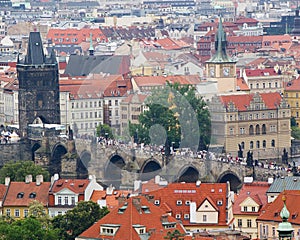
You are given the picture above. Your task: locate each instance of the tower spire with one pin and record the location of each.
(285, 228)
(91, 49)
(220, 46)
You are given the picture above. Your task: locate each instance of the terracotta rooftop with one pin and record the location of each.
(261, 72)
(293, 85)
(135, 212)
(74, 185)
(256, 191)
(272, 211)
(21, 193)
(242, 101)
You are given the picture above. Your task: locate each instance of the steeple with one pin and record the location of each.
(35, 53)
(220, 46)
(91, 49)
(285, 228)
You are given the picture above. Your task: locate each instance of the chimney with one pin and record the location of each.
(7, 181)
(164, 218)
(157, 179)
(39, 180)
(136, 201)
(121, 200)
(109, 190)
(28, 179)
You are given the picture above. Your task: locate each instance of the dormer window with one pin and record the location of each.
(20, 195)
(219, 202)
(187, 203)
(253, 209)
(179, 202)
(178, 216)
(32, 195)
(186, 216)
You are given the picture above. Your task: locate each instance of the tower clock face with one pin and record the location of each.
(226, 71)
(212, 71)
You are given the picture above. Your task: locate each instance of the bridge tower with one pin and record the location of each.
(38, 86)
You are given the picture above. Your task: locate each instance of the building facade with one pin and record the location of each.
(259, 123)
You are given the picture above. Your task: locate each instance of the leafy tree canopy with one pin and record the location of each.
(18, 170)
(104, 130)
(176, 116)
(29, 228)
(77, 220)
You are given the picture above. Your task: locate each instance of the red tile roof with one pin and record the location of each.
(133, 215)
(111, 199)
(74, 185)
(242, 85)
(256, 191)
(293, 85)
(75, 36)
(272, 211)
(242, 101)
(261, 72)
(213, 192)
(24, 190)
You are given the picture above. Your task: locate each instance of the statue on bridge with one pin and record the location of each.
(240, 152)
(249, 159)
(70, 134)
(285, 156)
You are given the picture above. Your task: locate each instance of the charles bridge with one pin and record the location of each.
(121, 165)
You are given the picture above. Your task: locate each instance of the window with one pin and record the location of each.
(231, 131)
(251, 144)
(179, 202)
(243, 145)
(270, 85)
(17, 213)
(220, 203)
(249, 223)
(186, 216)
(25, 212)
(253, 209)
(257, 129)
(8, 212)
(245, 209)
(178, 216)
(156, 202)
(273, 143)
(240, 222)
(272, 128)
(257, 85)
(204, 218)
(59, 200)
(251, 131)
(263, 129)
(273, 231)
(187, 203)
(73, 200)
(66, 200)
(264, 144)
(257, 144)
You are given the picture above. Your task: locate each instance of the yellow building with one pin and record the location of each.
(257, 122)
(291, 94)
(248, 206)
(19, 195)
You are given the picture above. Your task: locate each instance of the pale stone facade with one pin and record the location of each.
(257, 122)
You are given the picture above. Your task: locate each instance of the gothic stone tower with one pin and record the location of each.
(38, 86)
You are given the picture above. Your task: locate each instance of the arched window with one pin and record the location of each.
(243, 145)
(257, 130)
(257, 144)
(264, 144)
(251, 130)
(273, 143)
(251, 144)
(257, 85)
(263, 129)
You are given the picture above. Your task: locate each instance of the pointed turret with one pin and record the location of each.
(220, 46)
(35, 53)
(285, 228)
(91, 49)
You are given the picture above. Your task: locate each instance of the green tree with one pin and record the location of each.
(175, 116)
(18, 170)
(104, 130)
(175, 235)
(77, 220)
(29, 228)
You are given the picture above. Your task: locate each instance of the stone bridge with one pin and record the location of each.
(121, 166)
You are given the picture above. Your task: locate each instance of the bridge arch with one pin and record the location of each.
(55, 162)
(231, 177)
(150, 169)
(113, 170)
(83, 164)
(188, 174)
(35, 147)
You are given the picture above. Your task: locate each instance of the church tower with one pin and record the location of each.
(220, 67)
(38, 86)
